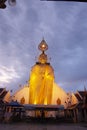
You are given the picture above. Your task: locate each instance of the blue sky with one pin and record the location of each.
(63, 26)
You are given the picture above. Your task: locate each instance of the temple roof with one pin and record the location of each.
(1, 89)
(3, 93)
(78, 97)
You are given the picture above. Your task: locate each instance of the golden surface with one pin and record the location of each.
(41, 84)
(43, 46)
(41, 79)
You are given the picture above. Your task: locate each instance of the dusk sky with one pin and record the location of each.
(63, 26)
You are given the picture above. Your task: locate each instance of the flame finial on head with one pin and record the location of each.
(43, 46)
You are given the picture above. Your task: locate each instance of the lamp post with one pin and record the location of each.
(10, 2)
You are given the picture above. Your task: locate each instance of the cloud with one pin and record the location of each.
(7, 74)
(64, 27)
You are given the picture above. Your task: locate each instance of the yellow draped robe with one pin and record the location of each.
(41, 84)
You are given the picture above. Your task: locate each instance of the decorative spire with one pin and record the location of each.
(43, 45)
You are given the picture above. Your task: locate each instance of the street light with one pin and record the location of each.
(10, 2)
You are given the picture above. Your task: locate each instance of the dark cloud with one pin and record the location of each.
(64, 27)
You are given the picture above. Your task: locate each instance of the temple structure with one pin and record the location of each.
(42, 97)
(4, 95)
(41, 87)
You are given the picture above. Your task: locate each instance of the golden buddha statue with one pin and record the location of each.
(41, 79)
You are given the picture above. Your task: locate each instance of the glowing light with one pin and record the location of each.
(43, 45)
(45, 101)
(35, 102)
